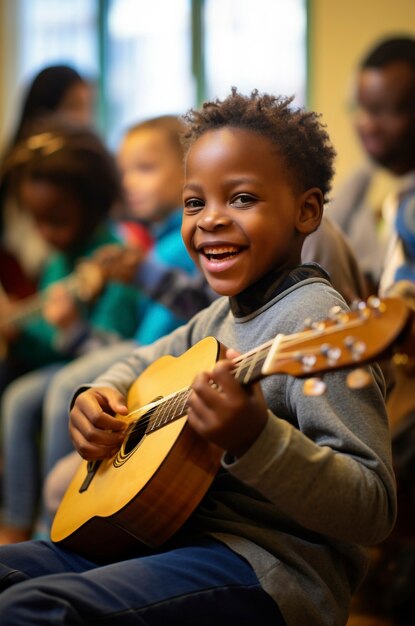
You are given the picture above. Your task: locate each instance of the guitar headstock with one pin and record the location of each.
(344, 339)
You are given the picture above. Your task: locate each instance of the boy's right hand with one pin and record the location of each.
(95, 432)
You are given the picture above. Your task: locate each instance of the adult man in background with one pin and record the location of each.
(365, 207)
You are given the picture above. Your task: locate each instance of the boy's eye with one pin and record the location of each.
(193, 204)
(145, 167)
(243, 200)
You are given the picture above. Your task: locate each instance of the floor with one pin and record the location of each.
(370, 620)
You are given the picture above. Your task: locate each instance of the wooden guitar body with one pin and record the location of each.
(146, 492)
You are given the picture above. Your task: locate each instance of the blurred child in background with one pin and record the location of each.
(55, 90)
(68, 183)
(151, 166)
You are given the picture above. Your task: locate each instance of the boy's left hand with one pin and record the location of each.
(224, 412)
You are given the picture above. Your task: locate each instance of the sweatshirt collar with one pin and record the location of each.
(271, 285)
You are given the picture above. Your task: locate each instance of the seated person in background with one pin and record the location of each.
(305, 483)
(14, 283)
(365, 206)
(55, 90)
(389, 588)
(68, 184)
(398, 279)
(151, 166)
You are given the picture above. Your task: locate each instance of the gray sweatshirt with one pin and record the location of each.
(317, 486)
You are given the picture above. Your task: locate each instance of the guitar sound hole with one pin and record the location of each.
(137, 431)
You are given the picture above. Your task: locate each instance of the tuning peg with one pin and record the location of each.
(355, 346)
(308, 322)
(358, 379)
(358, 305)
(332, 353)
(314, 387)
(374, 302)
(308, 361)
(334, 313)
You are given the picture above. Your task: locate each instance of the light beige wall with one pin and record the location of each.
(9, 50)
(341, 32)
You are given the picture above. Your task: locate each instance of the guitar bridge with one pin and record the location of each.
(92, 467)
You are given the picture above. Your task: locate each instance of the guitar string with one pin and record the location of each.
(248, 361)
(166, 402)
(244, 359)
(187, 390)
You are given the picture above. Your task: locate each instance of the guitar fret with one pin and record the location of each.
(155, 418)
(249, 368)
(174, 413)
(163, 417)
(169, 409)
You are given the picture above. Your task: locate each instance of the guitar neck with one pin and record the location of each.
(345, 339)
(248, 368)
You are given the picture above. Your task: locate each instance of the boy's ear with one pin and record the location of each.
(310, 211)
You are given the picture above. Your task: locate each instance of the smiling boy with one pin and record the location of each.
(305, 482)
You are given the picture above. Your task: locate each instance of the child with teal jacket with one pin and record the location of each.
(114, 311)
(68, 182)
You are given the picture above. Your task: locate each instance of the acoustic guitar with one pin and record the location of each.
(146, 492)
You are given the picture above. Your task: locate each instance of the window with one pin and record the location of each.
(53, 32)
(152, 57)
(255, 44)
(148, 70)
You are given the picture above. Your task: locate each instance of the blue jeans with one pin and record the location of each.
(21, 411)
(196, 584)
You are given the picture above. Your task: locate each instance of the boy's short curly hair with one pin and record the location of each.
(299, 136)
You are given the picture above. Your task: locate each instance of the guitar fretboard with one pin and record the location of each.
(248, 368)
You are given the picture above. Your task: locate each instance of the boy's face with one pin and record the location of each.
(152, 174)
(56, 213)
(240, 210)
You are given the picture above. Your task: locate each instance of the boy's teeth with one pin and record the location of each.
(221, 250)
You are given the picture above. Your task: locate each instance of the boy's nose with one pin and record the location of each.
(211, 219)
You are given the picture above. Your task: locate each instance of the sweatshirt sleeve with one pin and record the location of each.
(333, 474)
(123, 374)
